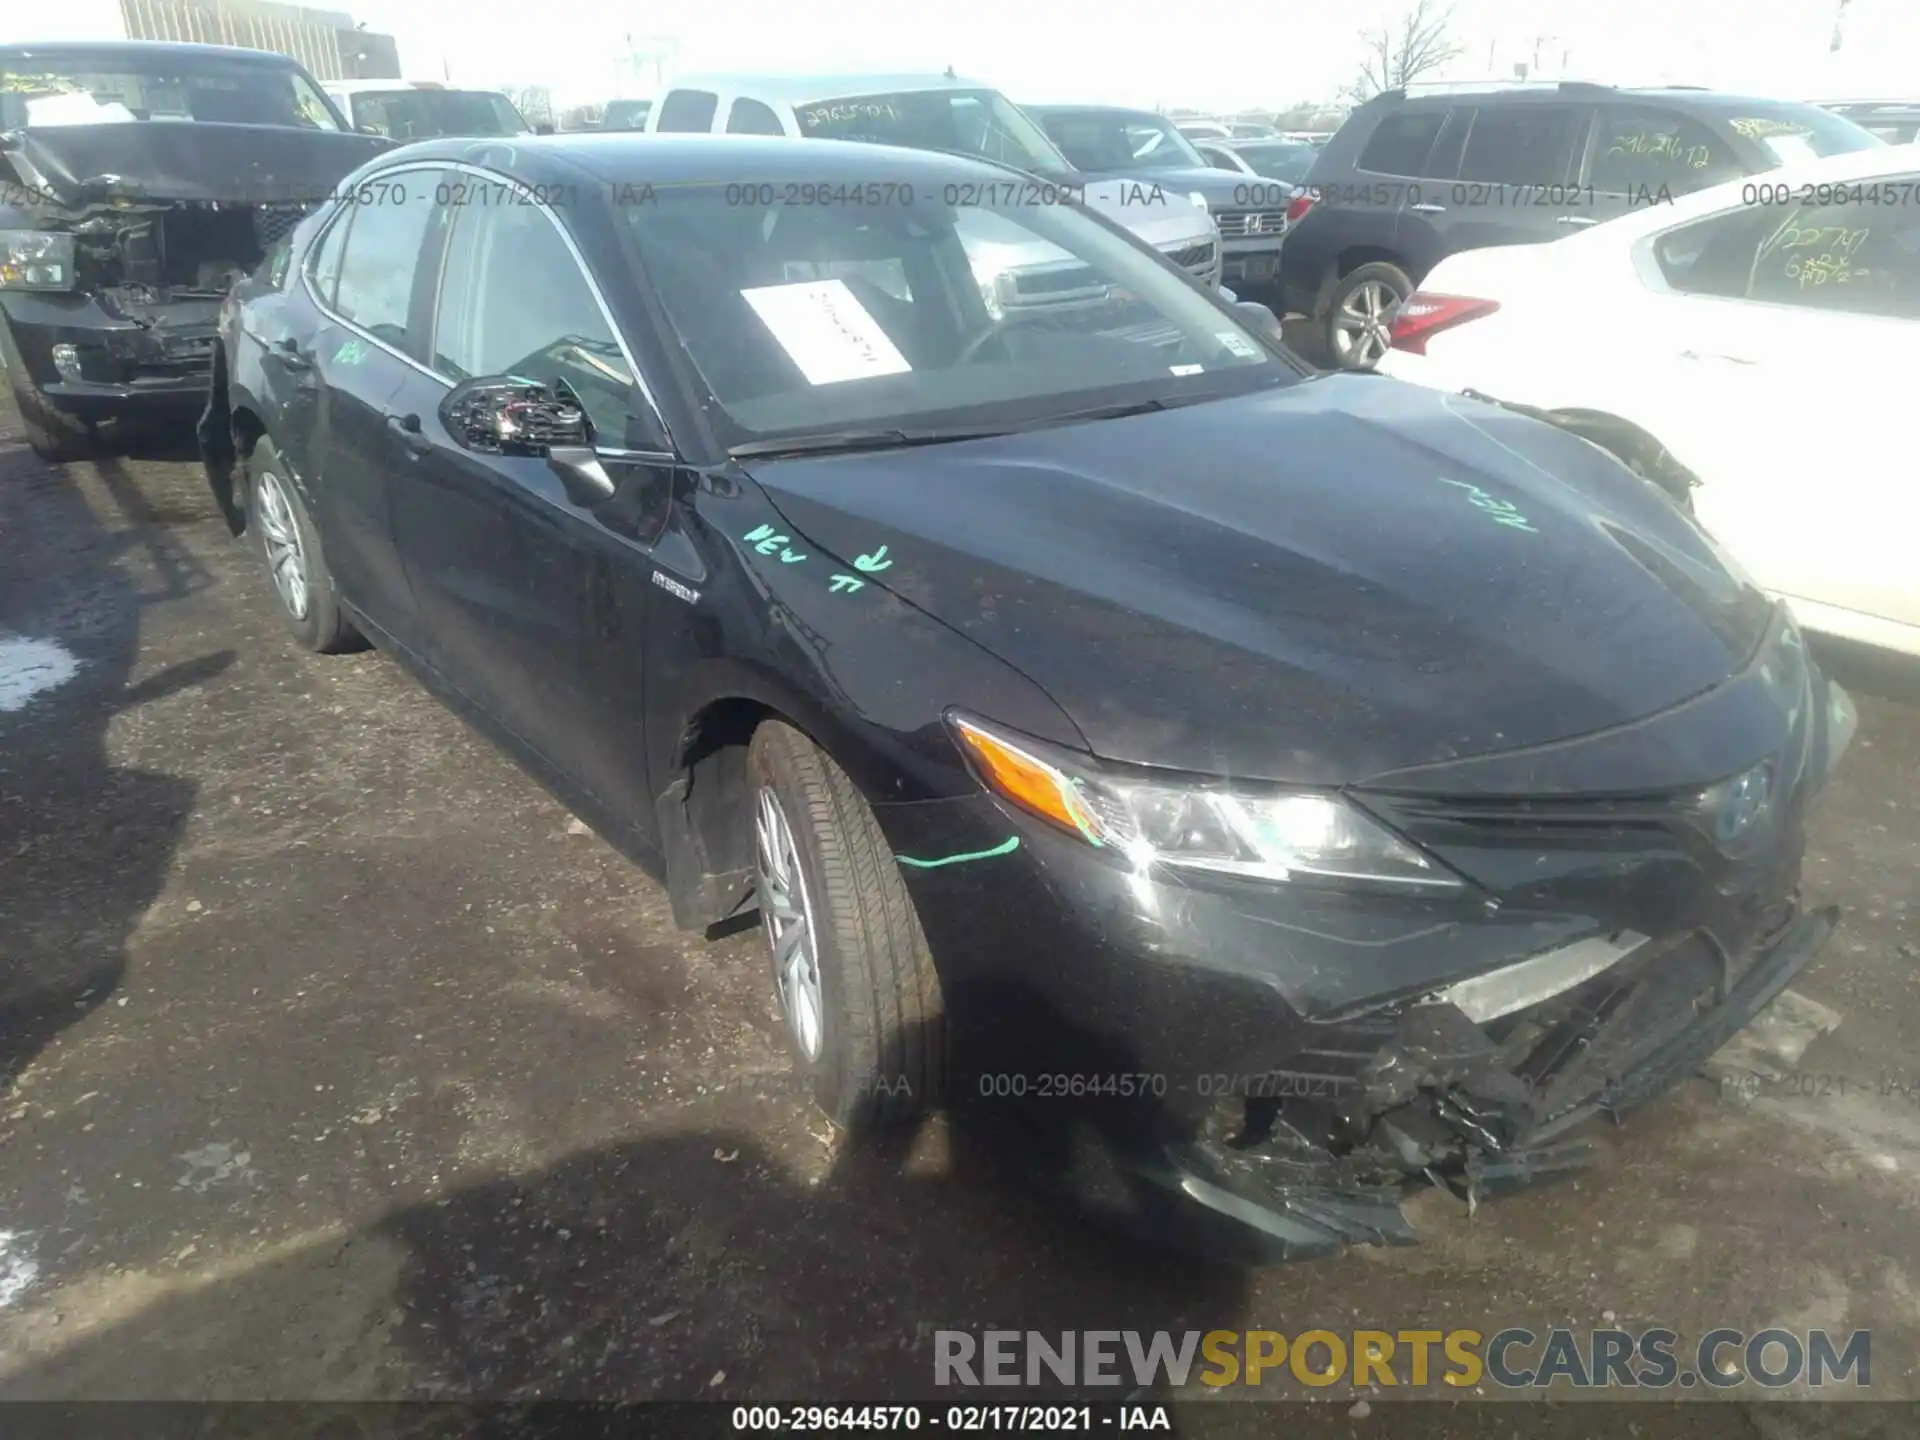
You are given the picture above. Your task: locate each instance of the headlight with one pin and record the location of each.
(36, 260)
(1260, 835)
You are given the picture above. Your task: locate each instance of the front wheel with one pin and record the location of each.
(1359, 324)
(851, 966)
(295, 562)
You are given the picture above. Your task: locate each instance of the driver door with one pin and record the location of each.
(533, 605)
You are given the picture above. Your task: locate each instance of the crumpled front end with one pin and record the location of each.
(1230, 1063)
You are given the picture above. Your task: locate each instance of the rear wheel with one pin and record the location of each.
(1359, 321)
(850, 964)
(295, 562)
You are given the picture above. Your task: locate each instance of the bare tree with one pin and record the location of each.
(1400, 52)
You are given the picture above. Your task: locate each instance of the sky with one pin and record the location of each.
(1240, 54)
(1244, 53)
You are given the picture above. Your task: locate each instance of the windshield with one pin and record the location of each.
(49, 87)
(423, 114)
(1110, 140)
(1791, 133)
(968, 122)
(1279, 159)
(907, 311)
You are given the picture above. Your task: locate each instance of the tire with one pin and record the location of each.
(880, 1049)
(1376, 279)
(305, 591)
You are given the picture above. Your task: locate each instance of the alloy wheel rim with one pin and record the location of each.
(286, 557)
(787, 919)
(1363, 326)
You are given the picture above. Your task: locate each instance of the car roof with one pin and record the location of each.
(160, 50)
(810, 89)
(367, 87)
(616, 157)
(1095, 110)
(1553, 93)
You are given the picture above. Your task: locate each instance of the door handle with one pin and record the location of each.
(1429, 209)
(408, 427)
(1581, 220)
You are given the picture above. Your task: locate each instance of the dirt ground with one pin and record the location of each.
(335, 1062)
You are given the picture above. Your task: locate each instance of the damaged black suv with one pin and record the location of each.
(137, 180)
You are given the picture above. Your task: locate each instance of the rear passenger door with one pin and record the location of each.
(1513, 183)
(1367, 204)
(1641, 155)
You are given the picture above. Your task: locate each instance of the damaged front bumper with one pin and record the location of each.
(1460, 1105)
(115, 353)
(1264, 1070)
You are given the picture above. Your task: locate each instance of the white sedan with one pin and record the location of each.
(1759, 339)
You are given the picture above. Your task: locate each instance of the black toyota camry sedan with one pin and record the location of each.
(1254, 791)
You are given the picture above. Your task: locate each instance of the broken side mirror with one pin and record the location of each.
(504, 415)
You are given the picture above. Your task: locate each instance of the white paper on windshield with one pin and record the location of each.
(1790, 149)
(76, 109)
(1237, 345)
(827, 331)
(1186, 369)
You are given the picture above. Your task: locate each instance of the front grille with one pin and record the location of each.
(270, 222)
(1243, 224)
(1065, 281)
(1200, 259)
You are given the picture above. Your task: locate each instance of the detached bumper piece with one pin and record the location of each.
(1310, 1163)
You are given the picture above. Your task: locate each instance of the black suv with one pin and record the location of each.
(1411, 178)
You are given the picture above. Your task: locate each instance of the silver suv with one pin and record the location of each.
(944, 112)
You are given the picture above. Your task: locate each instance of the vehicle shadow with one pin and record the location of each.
(84, 844)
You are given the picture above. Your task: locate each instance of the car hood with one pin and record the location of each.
(1218, 186)
(1317, 584)
(154, 162)
(1160, 216)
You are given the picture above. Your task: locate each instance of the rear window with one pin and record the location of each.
(688, 111)
(1791, 133)
(411, 114)
(1400, 145)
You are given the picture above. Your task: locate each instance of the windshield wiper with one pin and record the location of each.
(832, 442)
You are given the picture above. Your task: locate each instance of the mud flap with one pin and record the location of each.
(217, 455)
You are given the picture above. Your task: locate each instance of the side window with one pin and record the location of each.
(1400, 144)
(1521, 144)
(382, 255)
(688, 111)
(1636, 148)
(750, 117)
(323, 268)
(513, 301)
(1849, 258)
(1845, 257)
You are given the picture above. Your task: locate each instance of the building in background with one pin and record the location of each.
(327, 42)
